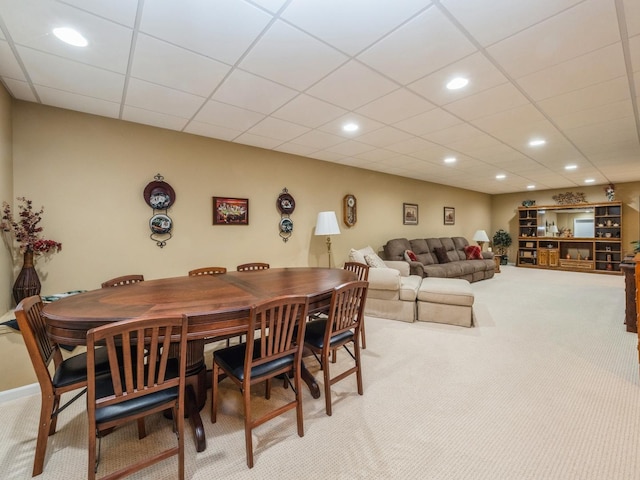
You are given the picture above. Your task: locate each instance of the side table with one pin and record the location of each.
(497, 259)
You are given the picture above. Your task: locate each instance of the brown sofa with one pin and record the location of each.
(427, 264)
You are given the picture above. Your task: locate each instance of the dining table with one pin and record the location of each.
(226, 299)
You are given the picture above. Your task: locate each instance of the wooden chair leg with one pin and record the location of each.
(214, 393)
(299, 416)
(267, 393)
(327, 384)
(46, 427)
(142, 431)
(359, 369)
(362, 336)
(246, 394)
(91, 467)
(53, 419)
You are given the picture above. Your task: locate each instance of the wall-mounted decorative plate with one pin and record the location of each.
(286, 204)
(159, 195)
(286, 225)
(160, 223)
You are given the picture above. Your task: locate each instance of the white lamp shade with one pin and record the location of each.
(327, 224)
(480, 236)
(553, 229)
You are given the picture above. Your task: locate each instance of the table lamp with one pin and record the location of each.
(327, 224)
(554, 230)
(481, 237)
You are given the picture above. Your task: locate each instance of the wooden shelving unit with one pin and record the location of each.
(600, 252)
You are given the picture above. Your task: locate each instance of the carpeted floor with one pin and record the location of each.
(545, 386)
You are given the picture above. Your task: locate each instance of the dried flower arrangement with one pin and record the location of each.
(26, 229)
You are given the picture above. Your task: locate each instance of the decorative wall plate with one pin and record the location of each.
(286, 204)
(160, 223)
(286, 225)
(159, 195)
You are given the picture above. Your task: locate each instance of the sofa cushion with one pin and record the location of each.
(409, 256)
(394, 249)
(409, 287)
(441, 255)
(358, 255)
(473, 252)
(449, 291)
(374, 261)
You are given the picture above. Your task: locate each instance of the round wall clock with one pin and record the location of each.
(350, 207)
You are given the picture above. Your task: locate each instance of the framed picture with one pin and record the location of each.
(230, 211)
(449, 216)
(409, 213)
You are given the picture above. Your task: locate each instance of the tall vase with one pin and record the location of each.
(27, 283)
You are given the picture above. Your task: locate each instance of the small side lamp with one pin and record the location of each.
(481, 237)
(327, 224)
(554, 230)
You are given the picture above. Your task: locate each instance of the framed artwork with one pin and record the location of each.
(230, 211)
(449, 216)
(409, 213)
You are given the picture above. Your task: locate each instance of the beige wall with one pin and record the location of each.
(6, 193)
(504, 209)
(89, 172)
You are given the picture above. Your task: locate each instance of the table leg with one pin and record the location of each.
(310, 380)
(193, 412)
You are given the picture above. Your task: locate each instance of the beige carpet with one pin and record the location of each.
(546, 386)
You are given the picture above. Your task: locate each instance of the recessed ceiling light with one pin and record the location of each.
(70, 36)
(450, 160)
(530, 187)
(350, 127)
(457, 83)
(570, 167)
(590, 180)
(537, 142)
(501, 176)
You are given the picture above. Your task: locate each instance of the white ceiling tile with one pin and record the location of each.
(410, 146)
(588, 26)
(480, 72)
(157, 98)
(32, 21)
(595, 67)
(318, 139)
(159, 62)
(366, 125)
(434, 41)
(308, 111)
(592, 96)
(632, 16)
(120, 11)
(333, 20)
(384, 136)
(396, 106)
(245, 90)
(634, 53)
(431, 121)
(295, 149)
(20, 90)
(594, 115)
(228, 116)
(376, 155)
(155, 119)
(351, 86)
(79, 103)
(9, 66)
(288, 56)
(62, 74)
(496, 99)
(497, 122)
(271, 5)
(491, 21)
(213, 131)
(222, 30)
(257, 141)
(452, 134)
(350, 148)
(278, 129)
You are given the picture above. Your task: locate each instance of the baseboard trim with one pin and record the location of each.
(20, 392)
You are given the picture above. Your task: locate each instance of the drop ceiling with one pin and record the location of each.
(285, 75)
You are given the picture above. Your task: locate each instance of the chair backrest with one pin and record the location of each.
(207, 271)
(346, 310)
(279, 324)
(360, 269)
(150, 339)
(42, 350)
(249, 267)
(124, 280)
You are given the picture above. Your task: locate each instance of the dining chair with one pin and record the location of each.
(68, 375)
(340, 328)
(147, 379)
(362, 271)
(207, 271)
(124, 280)
(250, 267)
(274, 347)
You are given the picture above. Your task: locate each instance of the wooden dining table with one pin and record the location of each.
(227, 297)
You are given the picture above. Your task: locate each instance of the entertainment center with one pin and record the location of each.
(584, 237)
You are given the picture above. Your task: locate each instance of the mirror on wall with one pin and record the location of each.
(579, 221)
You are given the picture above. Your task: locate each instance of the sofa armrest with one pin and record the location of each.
(416, 268)
(487, 255)
(400, 265)
(384, 279)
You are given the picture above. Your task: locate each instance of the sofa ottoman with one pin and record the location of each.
(445, 300)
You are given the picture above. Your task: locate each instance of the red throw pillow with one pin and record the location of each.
(473, 252)
(409, 256)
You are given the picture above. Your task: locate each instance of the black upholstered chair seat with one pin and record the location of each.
(314, 334)
(104, 388)
(74, 369)
(232, 360)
